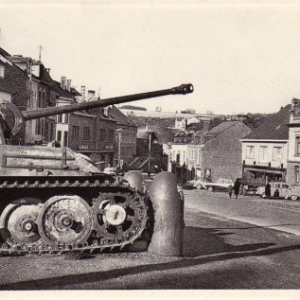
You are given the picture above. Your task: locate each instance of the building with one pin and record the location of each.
(293, 158)
(41, 94)
(92, 132)
(265, 151)
(213, 153)
(149, 151)
(222, 150)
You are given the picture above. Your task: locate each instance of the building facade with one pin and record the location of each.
(265, 151)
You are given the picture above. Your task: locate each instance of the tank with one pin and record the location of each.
(57, 200)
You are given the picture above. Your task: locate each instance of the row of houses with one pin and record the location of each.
(104, 134)
(231, 150)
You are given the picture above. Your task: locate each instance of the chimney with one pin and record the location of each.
(91, 94)
(82, 91)
(206, 125)
(63, 82)
(69, 85)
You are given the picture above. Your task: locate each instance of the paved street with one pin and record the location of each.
(228, 244)
(272, 213)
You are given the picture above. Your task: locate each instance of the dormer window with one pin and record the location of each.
(1, 71)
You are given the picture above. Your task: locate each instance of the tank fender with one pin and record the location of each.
(168, 206)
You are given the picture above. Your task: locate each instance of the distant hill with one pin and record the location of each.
(132, 107)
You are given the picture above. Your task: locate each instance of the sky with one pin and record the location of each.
(240, 58)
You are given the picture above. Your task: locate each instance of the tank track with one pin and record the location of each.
(103, 182)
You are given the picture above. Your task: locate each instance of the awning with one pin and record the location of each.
(269, 171)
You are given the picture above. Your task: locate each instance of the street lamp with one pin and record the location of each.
(119, 145)
(149, 150)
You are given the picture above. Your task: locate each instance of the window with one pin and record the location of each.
(75, 133)
(1, 71)
(250, 151)
(263, 153)
(111, 135)
(277, 153)
(86, 133)
(65, 138)
(297, 150)
(58, 136)
(102, 134)
(59, 118)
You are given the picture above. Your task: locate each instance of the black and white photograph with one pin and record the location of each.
(149, 149)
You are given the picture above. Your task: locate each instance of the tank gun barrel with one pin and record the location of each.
(12, 118)
(50, 111)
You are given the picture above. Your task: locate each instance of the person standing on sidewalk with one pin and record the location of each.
(236, 188)
(230, 188)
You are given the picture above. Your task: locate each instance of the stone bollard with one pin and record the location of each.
(168, 206)
(136, 180)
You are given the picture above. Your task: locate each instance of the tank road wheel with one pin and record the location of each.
(65, 220)
(119, 217)
(18, 222)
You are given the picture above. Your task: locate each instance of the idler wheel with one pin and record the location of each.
(18, 222)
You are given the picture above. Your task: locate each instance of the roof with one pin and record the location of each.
(62, 92)
(4, 53)
(215, 131)
(274, 127)
(116, 114)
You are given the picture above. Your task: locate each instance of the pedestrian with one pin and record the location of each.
(236, 188)
(230, 190)
(268, 190)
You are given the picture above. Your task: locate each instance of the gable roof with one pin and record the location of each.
(116, 114)
(274, 127)
(215, 131)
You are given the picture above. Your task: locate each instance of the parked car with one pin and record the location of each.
(220, 185)
(293, 192)
(201, 182)
(197, 183)
(278, 190)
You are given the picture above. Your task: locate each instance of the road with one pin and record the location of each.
(245, 243)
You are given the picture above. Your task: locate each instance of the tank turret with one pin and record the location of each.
(56, 200)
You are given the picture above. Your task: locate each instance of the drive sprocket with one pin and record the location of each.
(119, 218)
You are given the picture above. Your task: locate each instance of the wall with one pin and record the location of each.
(223, 154)
(270, 160)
